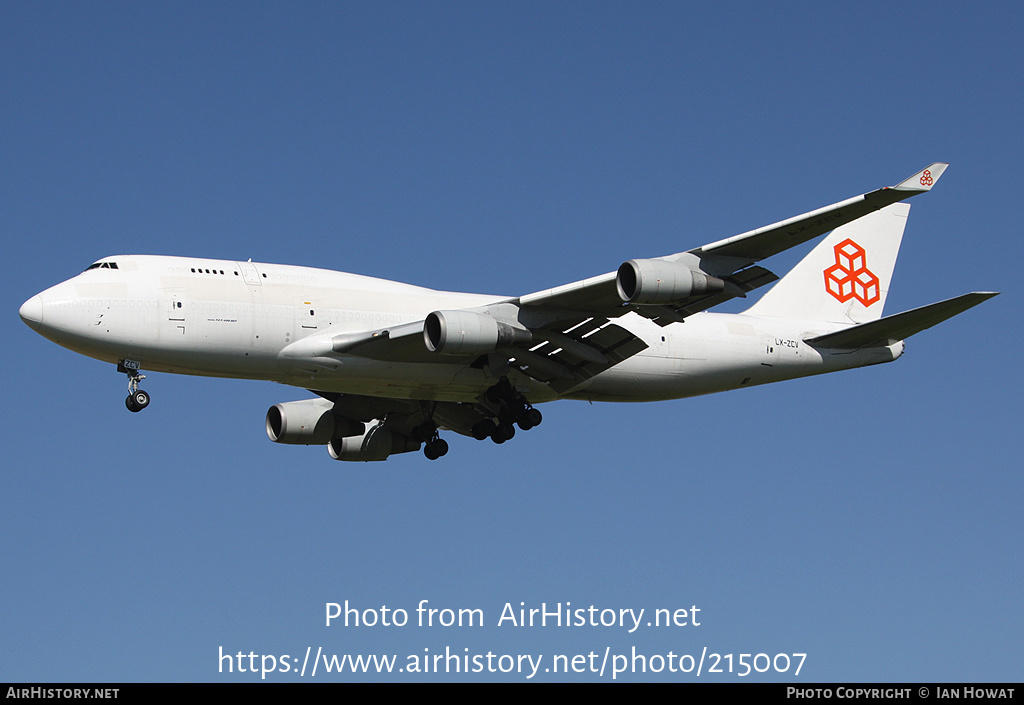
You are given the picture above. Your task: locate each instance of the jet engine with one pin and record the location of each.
(658, 281)
(376, 443)
(470, 333)
(309, 422)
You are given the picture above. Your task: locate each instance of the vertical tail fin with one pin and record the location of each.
(845, 279)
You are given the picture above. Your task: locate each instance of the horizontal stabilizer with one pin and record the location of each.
(900, 326)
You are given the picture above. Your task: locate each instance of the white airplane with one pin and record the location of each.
(392, 364)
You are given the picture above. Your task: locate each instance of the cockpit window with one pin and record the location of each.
(102, 265)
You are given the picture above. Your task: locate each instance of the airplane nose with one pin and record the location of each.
(32, 312)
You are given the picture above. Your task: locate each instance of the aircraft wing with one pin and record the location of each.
(560, 350)
(565, 335)
(730, 259)
(772, 239)
(565, 353)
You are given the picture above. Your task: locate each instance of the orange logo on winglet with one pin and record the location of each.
(850, 278)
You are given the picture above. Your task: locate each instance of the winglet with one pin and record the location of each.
(924, 179)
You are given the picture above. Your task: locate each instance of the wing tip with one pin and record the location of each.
(923, 180)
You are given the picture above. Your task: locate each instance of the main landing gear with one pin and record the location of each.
(434, 446)
(512, 410)
(137, 399)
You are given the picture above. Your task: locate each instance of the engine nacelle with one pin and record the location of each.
(376, 443)
(308, 422)
(469, 333)
(657, 281)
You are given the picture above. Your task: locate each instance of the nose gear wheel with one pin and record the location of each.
(137, 399)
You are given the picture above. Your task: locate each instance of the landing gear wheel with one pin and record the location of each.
(528, 418)
(137, 401)
(435, 449)
(502, 433)
(483, 429)
(510, 408)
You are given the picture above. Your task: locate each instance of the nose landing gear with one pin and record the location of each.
(137, 399)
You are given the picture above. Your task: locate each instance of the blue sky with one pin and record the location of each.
(870, 519)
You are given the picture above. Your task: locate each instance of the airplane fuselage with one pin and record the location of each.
(245, 320)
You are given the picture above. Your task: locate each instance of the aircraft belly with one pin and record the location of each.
(706, 354)
(399, 380)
